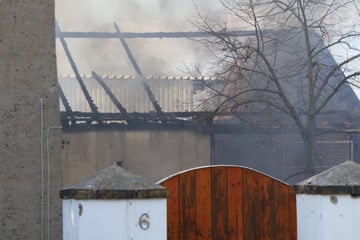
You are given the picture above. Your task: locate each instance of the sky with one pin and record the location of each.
(107, 56)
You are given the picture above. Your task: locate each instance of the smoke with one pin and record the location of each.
(107, 56)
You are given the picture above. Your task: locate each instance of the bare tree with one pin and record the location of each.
(284, 60)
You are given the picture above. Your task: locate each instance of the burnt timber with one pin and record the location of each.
(90, 101)
(140, 76)
(120, 107)
(157, 117)
(117, 35)
(95, 118)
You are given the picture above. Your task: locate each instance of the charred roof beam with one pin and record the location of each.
(90, 101)
(125, 35)
(116, 102)
(64, 100)
(141, 76)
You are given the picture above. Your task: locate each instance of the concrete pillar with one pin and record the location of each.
(114, 204)
(29, 120)
(328, 204)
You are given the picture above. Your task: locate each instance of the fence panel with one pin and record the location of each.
(229, 202)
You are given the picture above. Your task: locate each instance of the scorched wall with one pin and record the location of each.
(153, 154)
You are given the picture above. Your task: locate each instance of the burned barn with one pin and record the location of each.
(126, 127)
(145, 121)
(179, 137)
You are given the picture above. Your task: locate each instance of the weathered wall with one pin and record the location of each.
(27, 74)
(151, 154)
(157, 154)
(281, 155)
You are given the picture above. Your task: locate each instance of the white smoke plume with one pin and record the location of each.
(107, 56)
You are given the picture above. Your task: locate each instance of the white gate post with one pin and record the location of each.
(114, 204)
(328, 204)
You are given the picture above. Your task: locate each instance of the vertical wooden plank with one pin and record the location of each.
(235, 204)
(251, 205)
(219, 203)
(173, 218)
(282, 207)
(267, 211)
(187, 206)
(203, 204)
(292, 212)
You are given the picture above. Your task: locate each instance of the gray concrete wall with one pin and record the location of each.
(151, 154)
(27, 74)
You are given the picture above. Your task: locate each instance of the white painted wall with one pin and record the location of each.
(328, 217)
(113, 219)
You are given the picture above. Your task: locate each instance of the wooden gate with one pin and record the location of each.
(229, 202)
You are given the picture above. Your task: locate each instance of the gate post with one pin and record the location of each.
(114, 204)
(328, 204)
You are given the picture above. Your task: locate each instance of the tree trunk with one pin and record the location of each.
(309, 152)
(309, 138)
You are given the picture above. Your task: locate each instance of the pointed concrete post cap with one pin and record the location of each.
(341, 179)
(114, 182)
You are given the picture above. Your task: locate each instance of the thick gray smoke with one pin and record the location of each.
(155, 56)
